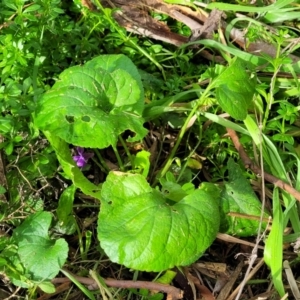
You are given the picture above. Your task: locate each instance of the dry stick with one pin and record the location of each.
(250, 275)
(233, 277)
(14, 294)
(249, 164)
(291, 280)
(230, 239)
(172, 291)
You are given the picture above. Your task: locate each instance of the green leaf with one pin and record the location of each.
(90, 106)
(2, 189)
(194, 163)
(273, 250)
(41, 256)
(9, 148)
(112, 63)
(172, 190)
(66, 221)
(225, 123)
(3, 262)
(20, 281)
(47, 287)
(32, 8)
(10, 5)
(138, 228)
(238, 197)
(142, 162)
(235, 88)
(246, 8)
(6, 124)
(287, 14)
(72, 172)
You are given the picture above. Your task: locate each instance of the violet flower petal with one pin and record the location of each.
(88, 155)
(80, 150)
(81, 162)
(82, 158)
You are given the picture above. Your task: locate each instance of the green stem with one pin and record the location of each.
(36, 65)
(180, 136)
(120, 162)
(126, 150)
(81, 246)
(190, 154)
(277, 65)
(102, 165)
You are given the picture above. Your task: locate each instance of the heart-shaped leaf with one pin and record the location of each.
(42, 257)
(90, 106)
(137, 227)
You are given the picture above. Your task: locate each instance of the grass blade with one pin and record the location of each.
(224, 122)
(273, 248)
(271, 8)
(88, 293)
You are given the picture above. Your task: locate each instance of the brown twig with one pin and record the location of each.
(250, 275)
(172, 292)
(249, 164)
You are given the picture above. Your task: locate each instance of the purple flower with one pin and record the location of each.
(82, 157)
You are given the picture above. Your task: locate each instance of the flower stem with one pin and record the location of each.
(102, 165)
(121, 165)
(126, 150)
